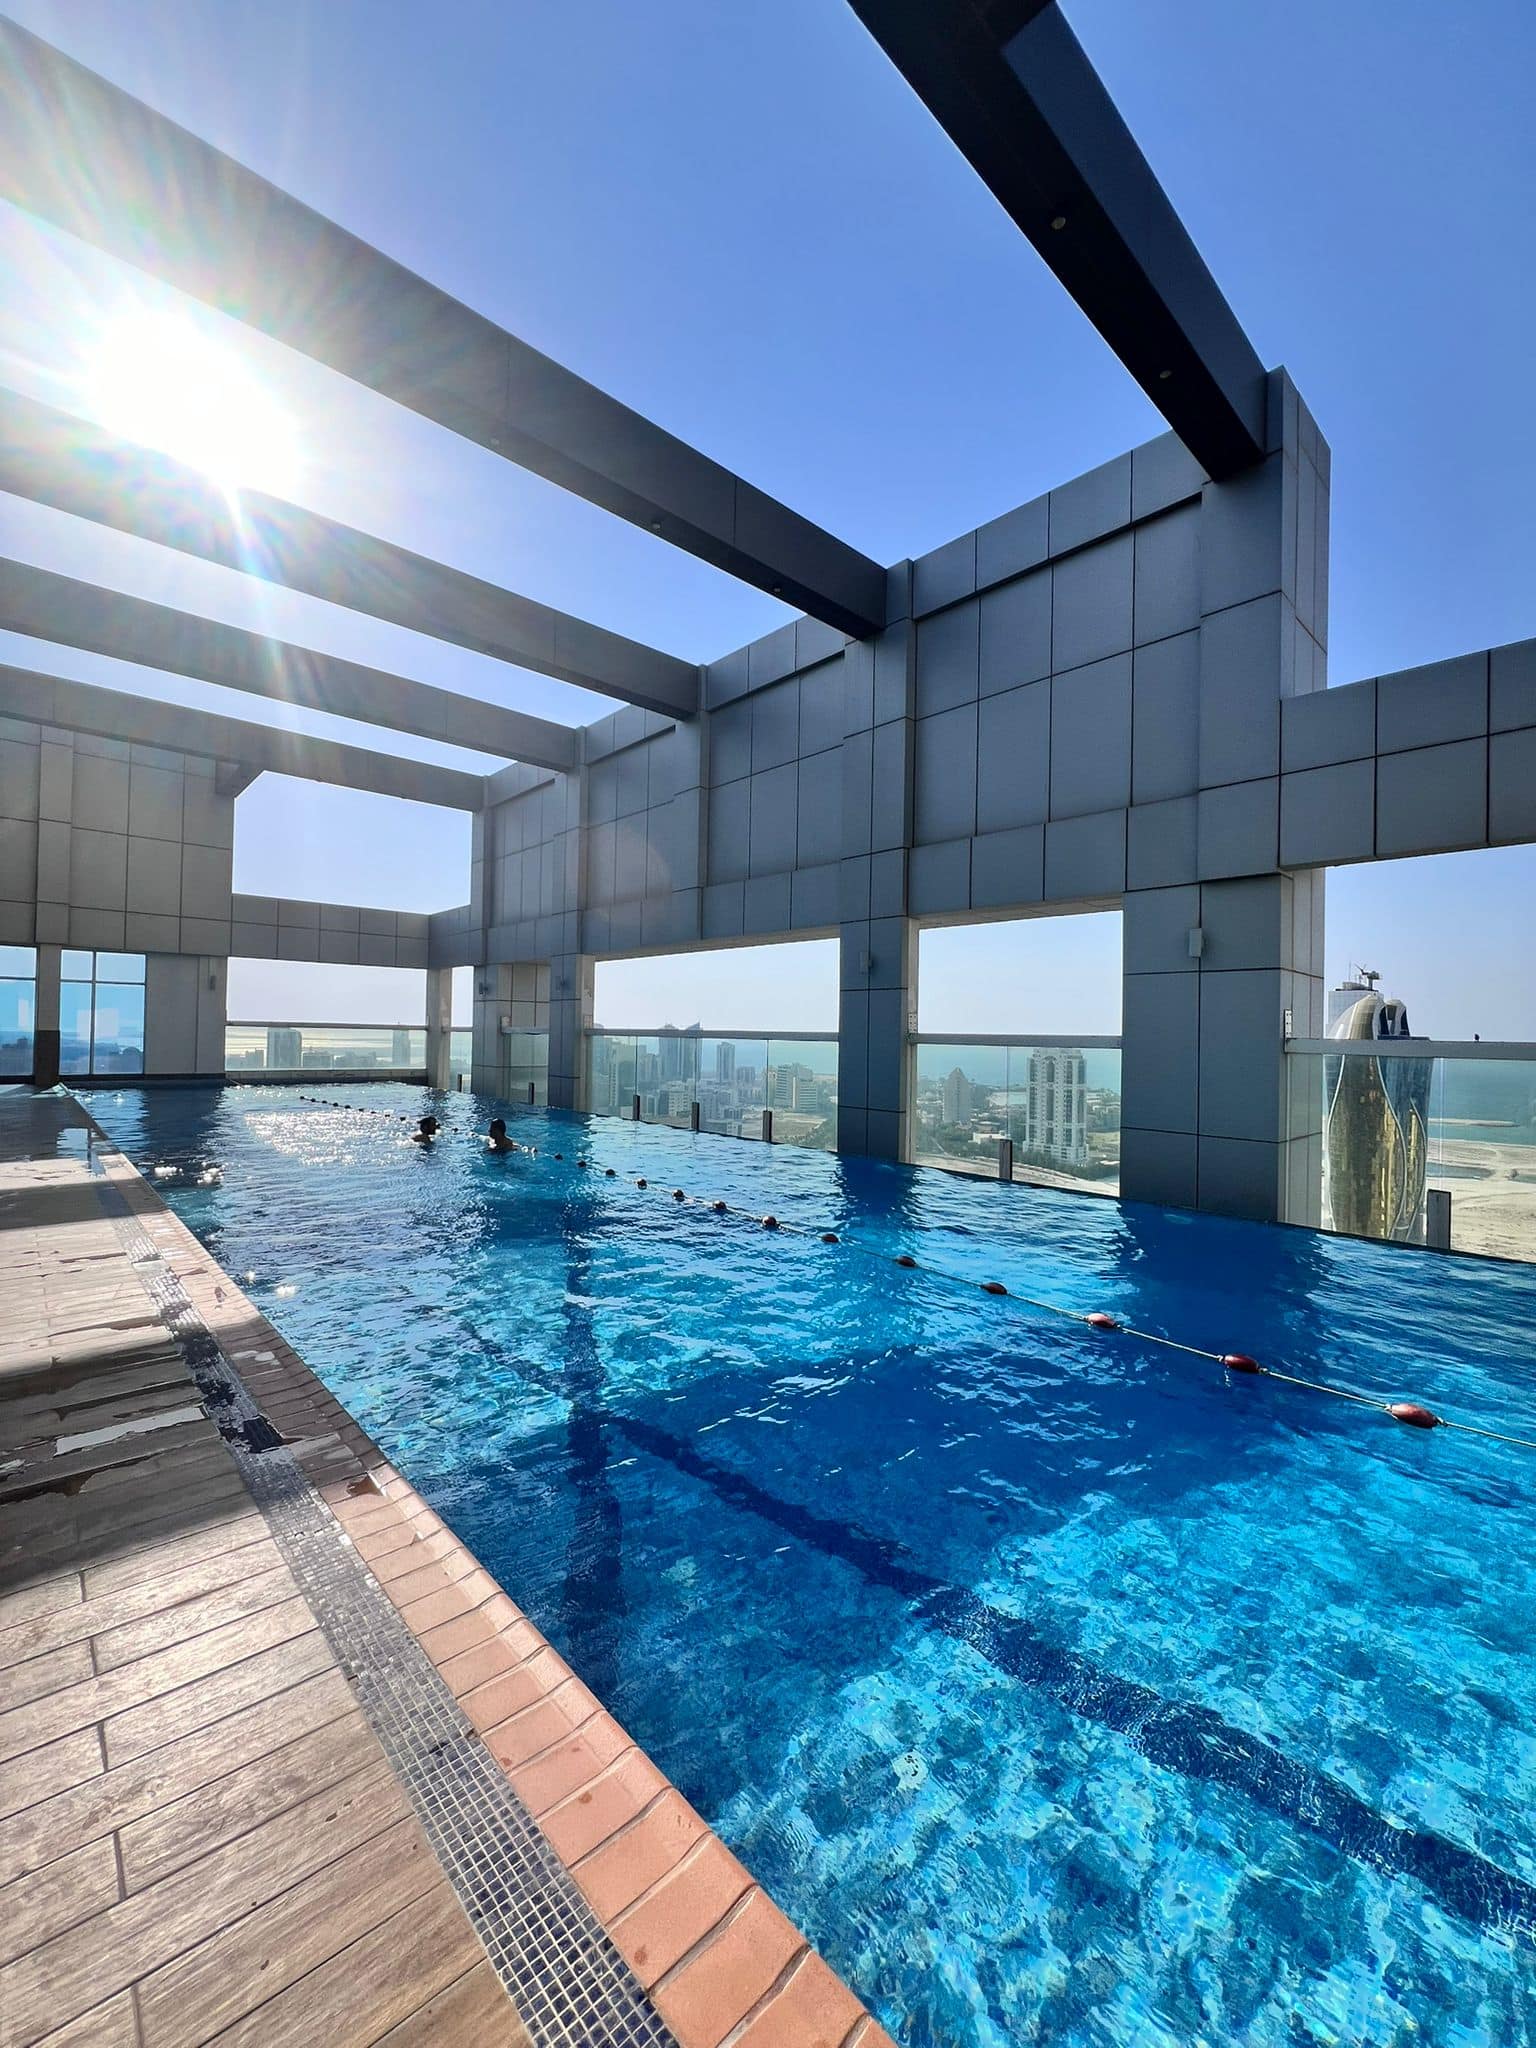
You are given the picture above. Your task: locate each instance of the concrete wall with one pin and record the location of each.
(340, 934)
(111, 846)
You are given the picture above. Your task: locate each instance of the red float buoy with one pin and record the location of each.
(1098, 1320)
(1239, 1361)
(770, 1223)
(993, 1287)
(906, 1259)
(1414, 1415)
(829, 1237)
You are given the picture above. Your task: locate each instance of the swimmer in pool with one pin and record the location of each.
(425, 1131)
(497, 1140)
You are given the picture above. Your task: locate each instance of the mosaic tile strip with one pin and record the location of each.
(570, 1985)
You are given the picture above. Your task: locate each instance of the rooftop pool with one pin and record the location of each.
(1062, 1687)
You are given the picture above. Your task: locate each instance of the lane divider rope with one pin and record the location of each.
(1412, 1414)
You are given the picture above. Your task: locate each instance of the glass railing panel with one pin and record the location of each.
(527, 1066)
(1058, 1105)
(733, 1086)
(75, 1025)
(801, 1086)
(461, 1053)
(319, 1048)
(18, 1008)
(1482, 1153)
(117, 1037)
(1415, 1149)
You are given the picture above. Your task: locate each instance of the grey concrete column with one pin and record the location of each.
(488, 1049)
(1213, 972)
(878, 999)
(439, 1026)
(571, 982)
(877, 972)
(45, 1030)
(185, 1007)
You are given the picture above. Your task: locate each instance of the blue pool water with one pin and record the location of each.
(1061, 1688)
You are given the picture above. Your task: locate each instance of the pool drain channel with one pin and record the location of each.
(1411, 1414)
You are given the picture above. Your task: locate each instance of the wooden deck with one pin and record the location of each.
(200, 1836)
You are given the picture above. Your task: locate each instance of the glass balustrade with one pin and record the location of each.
(1421, 1147)
(730, 1078)
(1057, 1104)
(257, 1048)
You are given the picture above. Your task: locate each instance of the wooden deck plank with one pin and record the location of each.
(114, 1693)
(165, 1840)
(471, 2012)
(20, 1684)
(40, 1633)
(161, 1721)
(99, 1801)
(75, 1888)
(40, 1774)
(252, 1593)
(373, 1985)
(112, 2025)
(240, 1968)
(75, 1971)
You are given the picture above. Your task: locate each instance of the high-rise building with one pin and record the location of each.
(1375, 1119)
(725, 1061)
(285, 1047)
(400, 1048)
(1056, 1106)
(956, 1090)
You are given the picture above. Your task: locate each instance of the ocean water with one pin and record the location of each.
(1062, 1687)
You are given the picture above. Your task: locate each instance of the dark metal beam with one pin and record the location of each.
(69, 463)
(1010, 84)
(41, 699)
(87, 156)
(48, 606)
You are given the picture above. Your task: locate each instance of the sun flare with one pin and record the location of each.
(157, 380)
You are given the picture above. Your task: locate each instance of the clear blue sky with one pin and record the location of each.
(738, 219)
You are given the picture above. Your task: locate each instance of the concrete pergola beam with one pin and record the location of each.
(78, 467)
(1011, 86)
(48, 606)
(40, 699)
(80, 152)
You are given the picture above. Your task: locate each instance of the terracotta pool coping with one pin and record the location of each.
(722, 1964)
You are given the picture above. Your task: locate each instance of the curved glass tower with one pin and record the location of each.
(1375, 1122)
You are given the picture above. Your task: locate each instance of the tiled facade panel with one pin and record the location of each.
(342, 935)
(111, 846)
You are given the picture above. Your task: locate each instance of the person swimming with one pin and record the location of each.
(497, 1139)
(425, 1131)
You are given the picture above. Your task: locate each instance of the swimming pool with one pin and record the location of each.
(1060, 1686)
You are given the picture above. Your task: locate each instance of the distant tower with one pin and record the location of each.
(1056, 1106)
(957, 1097)
(285, 1048)
(725, 1061)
